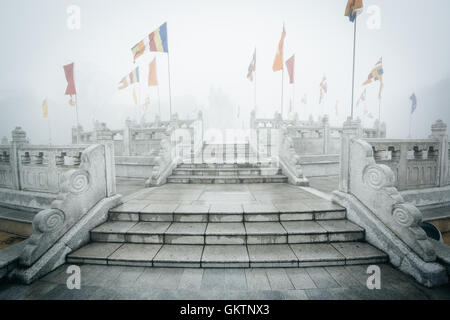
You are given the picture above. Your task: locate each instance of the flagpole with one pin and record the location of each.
(354, 55)
(159, 102)
(170, 89)
(282, 88)
(78, 122)
(410, 119)
(49, 131)
(254, 98)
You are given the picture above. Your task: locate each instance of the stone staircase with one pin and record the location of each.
(244, 235)
(228, 164)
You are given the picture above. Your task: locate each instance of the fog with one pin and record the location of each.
(211, 44)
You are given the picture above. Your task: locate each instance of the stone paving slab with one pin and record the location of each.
(260, 208)
(94, 252)
(149, 228)
(179, 255)
(303, 227)
(271, 256)
(292, 207)
(225, 256)
(168, 208)
(135, 254)
(261, 228)
(340, 226)
(314, 254)
(226, 208)
(232, 228)
(114, 227)
(114, 282)
(359, 252)
(129, 208)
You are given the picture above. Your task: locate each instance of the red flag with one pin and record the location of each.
(290, 63)
(68, 70)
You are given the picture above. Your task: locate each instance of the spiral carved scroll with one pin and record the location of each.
(406, 215)
(78, 181)
(378, 176)
(48, 220)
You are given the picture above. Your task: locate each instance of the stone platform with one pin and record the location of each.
(223, 226)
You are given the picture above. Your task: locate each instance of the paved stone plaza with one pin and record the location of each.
(324, 283)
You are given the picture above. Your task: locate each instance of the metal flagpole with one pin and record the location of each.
(78, 123)
(410, 119)
(49, 131)
(159, 102)
(170, 90)
(354, 55)
(255, 84)
(282, 90)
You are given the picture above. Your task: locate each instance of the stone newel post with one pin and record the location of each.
(439, 131)
(19, 138)
(326, 134)
(351, 130)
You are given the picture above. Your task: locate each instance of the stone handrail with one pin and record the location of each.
(81, 189)
(166, 161)
(415, 163)
(290, 161)
(367, 191)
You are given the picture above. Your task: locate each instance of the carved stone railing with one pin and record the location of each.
(417, 164)
(135, 139)
(166, 160)
(81, 189)
(314, 137)
(6, 167)
(290, 161)
(367, 191)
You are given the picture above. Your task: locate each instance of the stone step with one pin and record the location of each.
(226, 171)
(227, 179)
(218, 166)
(230, 213)
(16, 222)
(228, 256)
(287, 232)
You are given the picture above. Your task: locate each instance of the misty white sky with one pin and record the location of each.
(211, 44)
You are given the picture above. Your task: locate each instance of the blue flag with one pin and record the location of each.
(414, 103)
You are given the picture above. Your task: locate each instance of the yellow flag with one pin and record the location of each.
(45, 108)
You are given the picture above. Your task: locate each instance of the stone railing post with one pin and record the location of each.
(127, 138)
(19, 138)
(326, 134)
(439, 131)
(351, 130)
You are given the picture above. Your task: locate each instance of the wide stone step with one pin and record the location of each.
(226, 256)
(227, 179)
(226, 172)
(219, 166)
(288, 232)
(229, 213)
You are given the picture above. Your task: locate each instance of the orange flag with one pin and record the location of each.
(278, 62)
(152, 80)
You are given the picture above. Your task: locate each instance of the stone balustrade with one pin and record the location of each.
(416, 164)
(78, 181)
(313, 137)
(367, 189)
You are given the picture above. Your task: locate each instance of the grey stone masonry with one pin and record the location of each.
(227, 226)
